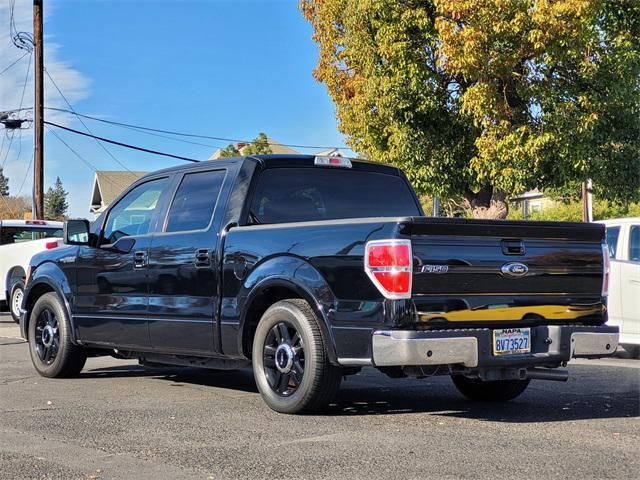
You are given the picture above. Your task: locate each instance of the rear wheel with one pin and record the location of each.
(52, 353)
(494, 391)
(15, 300)
(290, 362)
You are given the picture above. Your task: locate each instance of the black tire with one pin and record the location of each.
(15, 300)
(495, 391)
(52, 353)
(293, 392)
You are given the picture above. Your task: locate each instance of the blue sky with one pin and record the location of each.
(227, 69)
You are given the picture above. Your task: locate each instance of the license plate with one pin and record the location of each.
(507, 341)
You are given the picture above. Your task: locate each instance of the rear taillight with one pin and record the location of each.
(50, 245)
(605, 270)
(388, 264)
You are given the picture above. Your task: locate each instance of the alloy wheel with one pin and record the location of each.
(47, 336)
(283, 358)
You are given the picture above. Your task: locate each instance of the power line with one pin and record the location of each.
(80, 157)
(24, 88)
(82, 122)
(14, 62)
(126, 145)
(4, 163)
(182, 134)
(24, 179)
(22, 40)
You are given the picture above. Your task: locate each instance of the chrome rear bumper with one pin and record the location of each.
(473, 347)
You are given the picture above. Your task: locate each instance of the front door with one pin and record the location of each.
(111, 302)
(183, 271)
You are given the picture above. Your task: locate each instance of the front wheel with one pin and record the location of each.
(290, 363)
(15, 300)
(493, 391)
(52, 353)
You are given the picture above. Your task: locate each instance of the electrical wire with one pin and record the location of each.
(24, 88)
(19, 150)
(80, 157)
(82, 122)
(21, 39)
(24, 179)
(125, 145)
(14, 62)
(182, 134)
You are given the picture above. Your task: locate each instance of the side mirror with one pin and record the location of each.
(76, 232)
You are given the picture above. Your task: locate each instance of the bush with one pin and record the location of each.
(572, 211)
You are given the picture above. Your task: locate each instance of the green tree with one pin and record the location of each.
(4, 184)
(482, 99)
(258, 146)
(55, 201)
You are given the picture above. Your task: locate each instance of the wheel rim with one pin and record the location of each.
(16, 301)
(47, 336)
(283, 359)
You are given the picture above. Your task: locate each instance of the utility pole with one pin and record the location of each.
(38, 108)
(587, 202)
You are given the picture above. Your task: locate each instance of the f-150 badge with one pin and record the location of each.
(434, 269)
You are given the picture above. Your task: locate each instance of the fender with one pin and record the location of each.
(297, 275)
(50, 274)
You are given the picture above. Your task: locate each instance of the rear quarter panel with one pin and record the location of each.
(324, 260)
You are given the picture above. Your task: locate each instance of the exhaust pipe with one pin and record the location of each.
(548, 374)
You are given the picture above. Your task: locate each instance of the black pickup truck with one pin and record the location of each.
(308, 269)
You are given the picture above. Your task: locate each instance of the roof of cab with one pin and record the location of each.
(282, 160)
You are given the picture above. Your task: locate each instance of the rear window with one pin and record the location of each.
(309, 194)
(10, 235)
(195, 201)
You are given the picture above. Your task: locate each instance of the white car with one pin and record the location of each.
(19, 241)
(623, 239)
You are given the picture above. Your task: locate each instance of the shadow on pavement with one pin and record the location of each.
(370, 393)
(241, 380)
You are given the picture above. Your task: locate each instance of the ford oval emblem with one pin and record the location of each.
(514, 269)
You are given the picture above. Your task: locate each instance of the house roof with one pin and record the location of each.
(276, 148)
(107, 185)
(529, 195)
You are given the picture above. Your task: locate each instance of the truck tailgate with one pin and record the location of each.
(477, 270)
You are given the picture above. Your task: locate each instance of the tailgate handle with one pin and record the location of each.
(512, 247)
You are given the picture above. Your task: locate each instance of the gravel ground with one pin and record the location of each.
(118, 420)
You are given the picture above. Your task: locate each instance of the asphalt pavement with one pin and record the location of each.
(121, 421)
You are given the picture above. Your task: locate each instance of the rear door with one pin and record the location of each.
(183, 265)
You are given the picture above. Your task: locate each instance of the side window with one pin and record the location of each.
(133, 213)
(634, 243)
(612, 240)
(195, 201)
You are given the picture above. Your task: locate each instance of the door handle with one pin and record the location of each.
(202, 257)
(139, 259)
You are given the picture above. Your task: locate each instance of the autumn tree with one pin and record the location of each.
(258, 146)
(4, 183)
(55, 201)
(487, 98)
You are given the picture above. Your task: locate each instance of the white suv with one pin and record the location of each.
(623, 238)
(19, 241)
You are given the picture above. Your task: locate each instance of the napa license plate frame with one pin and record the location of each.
(511, 341)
